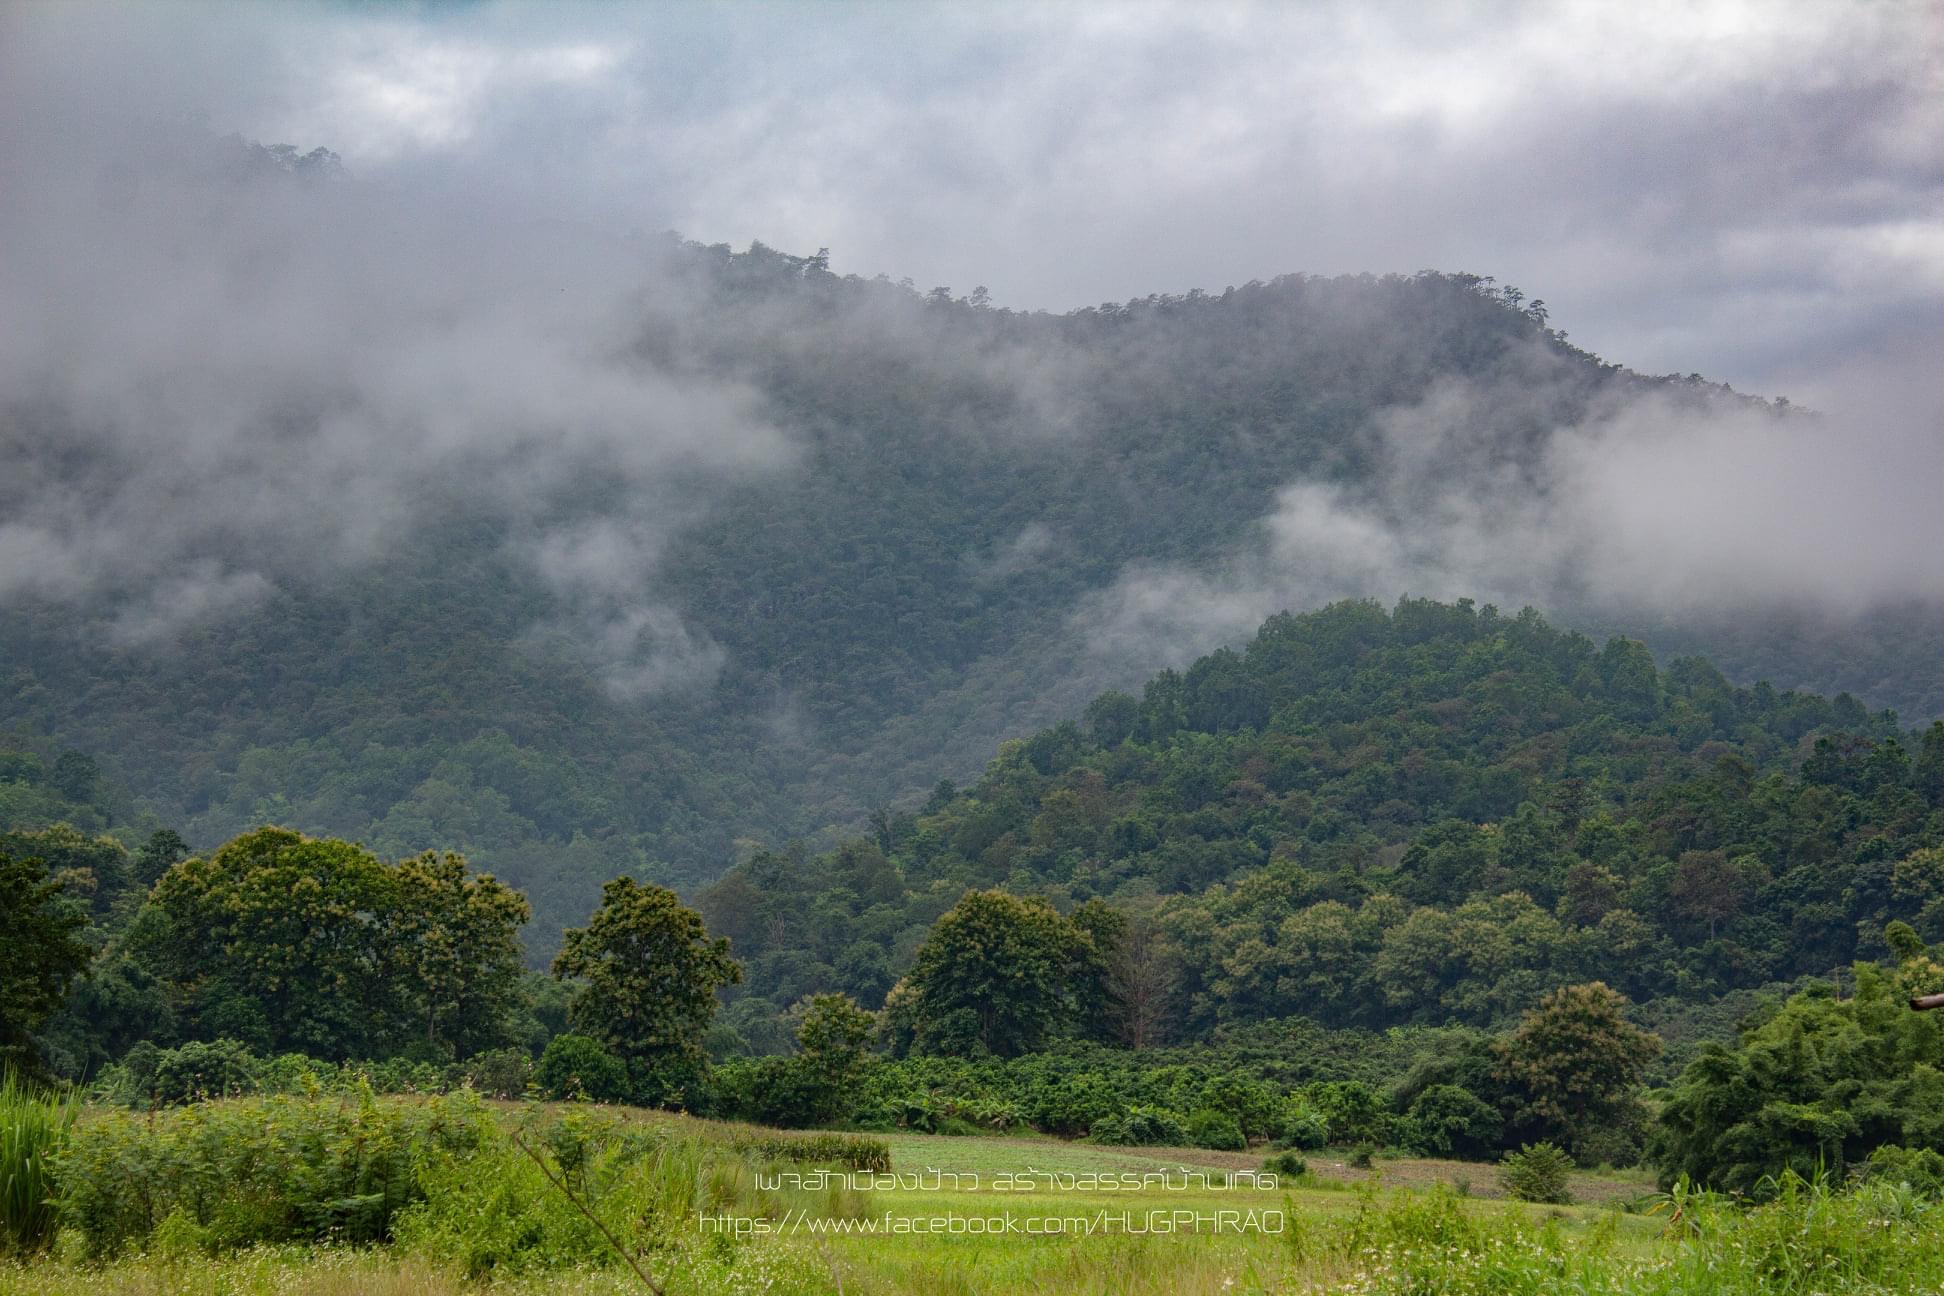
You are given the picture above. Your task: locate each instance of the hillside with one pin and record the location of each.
(1375, 818)
(965, 522)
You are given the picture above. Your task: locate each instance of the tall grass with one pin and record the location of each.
(33, 1127)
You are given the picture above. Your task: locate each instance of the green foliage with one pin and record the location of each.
(192, 1072)
(1537, 1172)
(499, 1073)
(149, 1076)
(1447, 1120)
(1141, 1127)
(1810, 1241)
(845, 1151)
(649, 973)
(496, 1213)
(574, 1066)
(816, 1085)
(34, 1129)
(1209, 1128)
(259, 1170)
(995, 976)
(1574, 1063)
(293, 943)
(1920, 1169)
(1288, 1164)
(40, 953)
(1352, 1112)
(1437, 813)
(1816, 1087)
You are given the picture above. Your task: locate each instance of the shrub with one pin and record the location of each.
(1921, 1168)
(1140, 1127)
(1536, 1173)
(500, 1073)
(1449, 1120)
(168, 1077)
(1210, 1128)
(33, 1129)
(1303, 1125)
(496, 1213)
(1290, 1165)
(575, 1066)
(1352, 1112)
(1617, 1145)
(260, 1170)
(1363, 1156)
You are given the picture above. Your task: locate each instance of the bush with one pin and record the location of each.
(1303, 1125)
(1537, 1173)
(495, 1213)
(575, 1066)
(261, 1170)
(1449, 1120)
(1921, 1168)
(1140, 1127)
(157, 1077)
(1616, 1145)
(33, 1129)
(1290, 1165)
(1351, 1111)
(1363, 1156)
(1219, 1130)
(500, 1073)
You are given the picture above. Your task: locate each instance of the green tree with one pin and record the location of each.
(316, 945)
(40, 954)
(279, 940)
(1574, 1063)
(574, 1066)
(94, 870)
(649, 971)
(833, 1037)
(1098, 1006)
(833, 1041)
(163, 850)
(991, 978)
(455, 937)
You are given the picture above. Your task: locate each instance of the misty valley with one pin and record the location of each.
(539, 756)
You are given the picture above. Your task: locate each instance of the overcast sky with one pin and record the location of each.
(1752, 191)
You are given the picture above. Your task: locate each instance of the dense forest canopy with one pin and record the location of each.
(1424, 815)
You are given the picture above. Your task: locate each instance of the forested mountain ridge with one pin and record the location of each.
(1427, 815)
(917, 576)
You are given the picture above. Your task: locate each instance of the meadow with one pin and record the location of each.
(330, 1195)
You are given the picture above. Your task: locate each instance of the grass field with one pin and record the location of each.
(1406, 1226)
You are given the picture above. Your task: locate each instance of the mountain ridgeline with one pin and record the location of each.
(939, 558)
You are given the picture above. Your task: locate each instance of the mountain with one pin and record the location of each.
(893, 529)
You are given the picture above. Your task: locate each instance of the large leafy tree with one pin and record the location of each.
(453, 934)
(1575, 1062)
(317, 945)
(278, 939)
(40, 954)
(1817, 1086)
(996, 976)
(649, 971)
